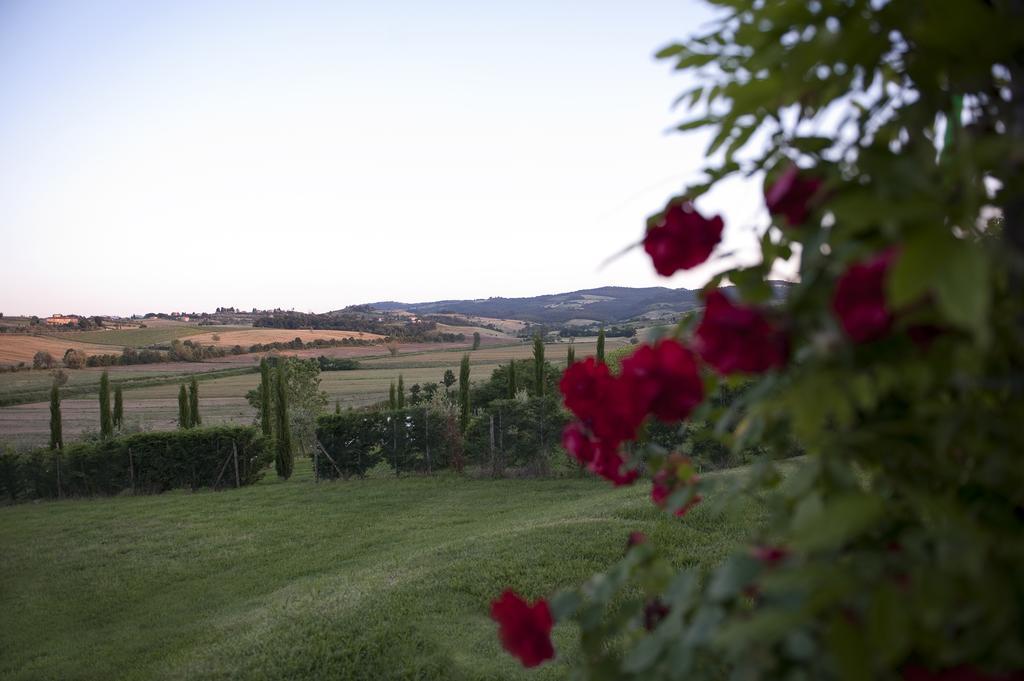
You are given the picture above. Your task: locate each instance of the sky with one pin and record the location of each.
(166, 156)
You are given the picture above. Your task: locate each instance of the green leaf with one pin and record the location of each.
(735, 575)
(839, 520)
(643, 655)
(564, 604)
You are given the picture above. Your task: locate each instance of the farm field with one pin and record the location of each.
(136, 337)
(15, 348)
(252, 335)
(222, 400)
(367, 579)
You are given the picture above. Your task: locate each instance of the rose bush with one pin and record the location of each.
(893, 133)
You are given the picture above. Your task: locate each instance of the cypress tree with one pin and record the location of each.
(600, 346)
(337, 406)
(283, 459)
(118, 407)
(476, 340)
(56, 428)
(183, 412)
(464, 392)
(265, 415)
(512, 380)
(570, 355)
(401, 392)
(106, 421)
(392, 398)
(538, 365)
(193, 403)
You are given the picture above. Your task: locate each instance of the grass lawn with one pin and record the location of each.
(373, 579)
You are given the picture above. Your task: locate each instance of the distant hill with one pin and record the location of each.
(609, 304)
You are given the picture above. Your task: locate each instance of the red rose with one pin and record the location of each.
(791, 194)
(578, 443)
(584, 386)
(859, 300)
(608, 463)
(770, 555)
(664, 379)
(683, 239)
(600, 456)
(525, 630)
(738, 339)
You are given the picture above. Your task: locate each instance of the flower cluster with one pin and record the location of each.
(662, 380)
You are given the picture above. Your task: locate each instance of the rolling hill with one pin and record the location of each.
(607, 304)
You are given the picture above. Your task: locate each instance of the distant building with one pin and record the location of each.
(61, 320)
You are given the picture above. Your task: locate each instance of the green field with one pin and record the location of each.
(137, 338)
(154, 407)
(373, 579)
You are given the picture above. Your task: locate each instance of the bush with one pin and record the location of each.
(155, 462)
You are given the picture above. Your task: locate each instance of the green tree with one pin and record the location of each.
(56, 427)
(118, 407)
(106, 420)
(266, 418)
(600, 345)
(183, 410)
(476, 340)
(284, 460)
(512, 379)
(570, 355)
(464, 392)
(400, 402)
(392, 397)
(193, 403)
(538, 365)
(305, 399)
(337, 406)
(448, 380)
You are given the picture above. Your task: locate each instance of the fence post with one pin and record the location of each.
(234, 453)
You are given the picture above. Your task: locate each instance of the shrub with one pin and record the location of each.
(155, 462)
(894, 549)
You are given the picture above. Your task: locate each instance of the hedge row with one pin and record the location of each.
(424, 439)
(146, 463)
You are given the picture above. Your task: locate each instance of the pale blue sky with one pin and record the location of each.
(311, 155)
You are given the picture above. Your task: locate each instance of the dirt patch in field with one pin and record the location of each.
(247, 337)
(16, 348)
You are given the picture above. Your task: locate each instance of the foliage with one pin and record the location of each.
(525, 434)
(145, 462)
(106, 419)
(42, 360)
(75, 359)
(56, 425)
(305, 399)
(538, 365)
(283, 456)
(889, 136)
(184, 414)
(337, 363)
(118, 407)
(194, 418)
(464, 393)
(263, 399)
(400, 394)
(600, 346)
(476, 340)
